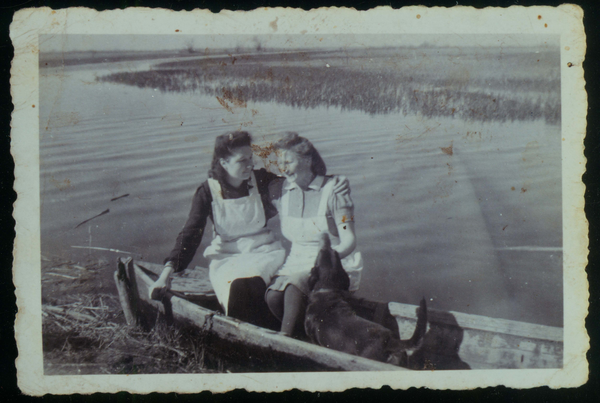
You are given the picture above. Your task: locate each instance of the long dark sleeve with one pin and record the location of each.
(189, 238)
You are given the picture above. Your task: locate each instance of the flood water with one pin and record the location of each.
(475, 230)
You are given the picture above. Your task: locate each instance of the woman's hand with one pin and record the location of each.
(160, 287)
(341, 185)
(347, 239)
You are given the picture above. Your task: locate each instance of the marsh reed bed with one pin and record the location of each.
(376, 82)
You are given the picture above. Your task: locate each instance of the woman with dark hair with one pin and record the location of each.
(244, 254)
(309, 204)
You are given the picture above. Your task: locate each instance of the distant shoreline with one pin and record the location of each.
(74, 58)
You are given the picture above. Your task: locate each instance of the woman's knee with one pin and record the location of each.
(275, 302)
(247, 287)
(294, 295)
(241, 293)
(238, 287)
(256, 287)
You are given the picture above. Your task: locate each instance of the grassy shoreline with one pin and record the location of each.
(84, 331)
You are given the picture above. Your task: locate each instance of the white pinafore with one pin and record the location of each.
(304, 233)
(242, 247)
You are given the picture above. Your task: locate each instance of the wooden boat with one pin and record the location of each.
(453, 341)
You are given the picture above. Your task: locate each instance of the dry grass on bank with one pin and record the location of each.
(84, 332)
(87, 334)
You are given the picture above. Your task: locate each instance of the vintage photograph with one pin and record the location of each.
(450, 190)
(223, 203)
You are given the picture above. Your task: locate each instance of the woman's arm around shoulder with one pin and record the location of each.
(275, 188)
(341, 185)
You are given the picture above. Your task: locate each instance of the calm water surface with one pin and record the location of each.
(478, 231)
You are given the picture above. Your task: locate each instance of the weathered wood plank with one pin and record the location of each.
(193, 283)
(134, 296)
(462, 339)
(124, 299)
(233, 330)
(484, 323)
(122, 283)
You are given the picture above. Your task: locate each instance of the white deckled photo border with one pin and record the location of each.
(29, 24)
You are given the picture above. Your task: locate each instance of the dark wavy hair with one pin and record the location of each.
(225, 145)
(291, 141)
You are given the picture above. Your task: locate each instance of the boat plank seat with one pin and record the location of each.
(191, 284)
(194, 284)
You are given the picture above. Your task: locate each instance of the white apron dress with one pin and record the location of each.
(304, 233)
(242, 247)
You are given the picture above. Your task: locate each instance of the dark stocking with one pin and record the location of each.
(247, 303)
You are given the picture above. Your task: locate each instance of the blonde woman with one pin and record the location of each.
(309, 204)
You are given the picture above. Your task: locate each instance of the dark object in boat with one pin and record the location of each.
(331, 322)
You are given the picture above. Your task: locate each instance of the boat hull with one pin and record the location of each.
(453, 340)
(217, 330)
